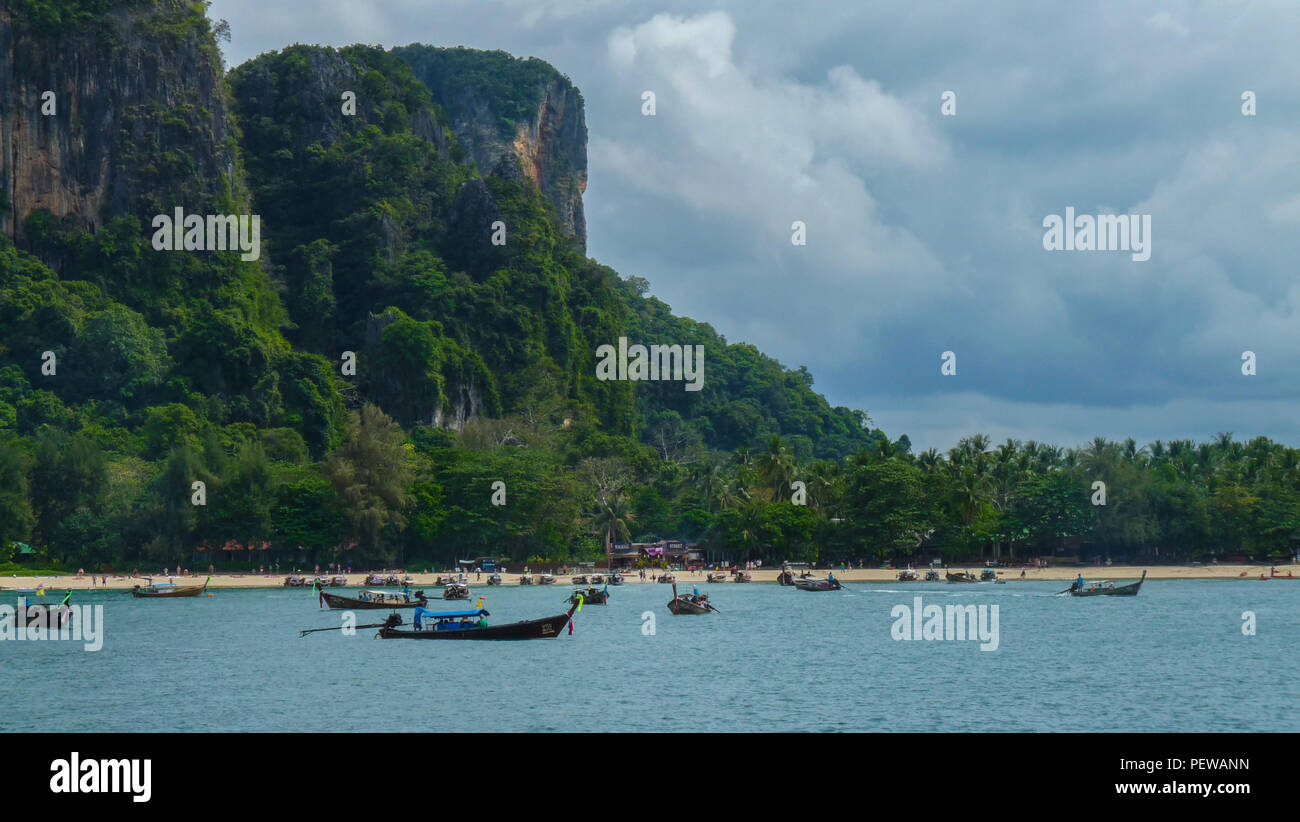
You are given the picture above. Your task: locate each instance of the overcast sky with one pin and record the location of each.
(925, 231)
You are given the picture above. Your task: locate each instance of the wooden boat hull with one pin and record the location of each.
(349, 604)
(961, 578)
(47, 616)
(817, 585)
(545, 628)
(456, 593)
(683, 607)
(590, 597)
(785, 578)
(1130, 590)
(188, 591)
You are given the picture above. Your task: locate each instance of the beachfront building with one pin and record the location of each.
(671, 551)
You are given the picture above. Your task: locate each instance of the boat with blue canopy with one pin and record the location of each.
(472, 624)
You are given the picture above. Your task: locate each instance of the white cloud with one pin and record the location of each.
(1164, 21)
(759, 152)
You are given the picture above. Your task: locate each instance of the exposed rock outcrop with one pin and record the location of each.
(140, 121)
(518, 119)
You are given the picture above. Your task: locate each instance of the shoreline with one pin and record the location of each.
(1115, 573)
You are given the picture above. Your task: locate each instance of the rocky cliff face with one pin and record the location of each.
(516, 119)
(140, 123)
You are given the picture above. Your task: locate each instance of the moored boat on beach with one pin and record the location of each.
(546, 579)
(668, 578)
(742, 576)
(616, 578)
(964, 576)
(581, 579)
(907, 575)
(718, 577)
(988, 574)
(931, 575)
(387, 579)
(494, 579)
(526, 579)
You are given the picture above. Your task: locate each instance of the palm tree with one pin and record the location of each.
(929, 461)
(710, 479)
(776, 467)
(611, 519)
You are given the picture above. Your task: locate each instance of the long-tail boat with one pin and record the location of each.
(473, 625)
(669, 577)
(590, 596)
(786, 577)
(526, 579)
(931, 575)
(812, 583)
(456, 590)
(988, 574)
(581, 579)
(616, 578)
(742, 576)
(373, 600)
(962, 577)
(388, 579)
(685, 604)
(546, 579)
(1105, 588)
(45, 616)
(495, 579)
(907, 575)
(158, 590)
(718, 577)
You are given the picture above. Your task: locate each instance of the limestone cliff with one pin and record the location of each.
(139, 122)
(517, 119)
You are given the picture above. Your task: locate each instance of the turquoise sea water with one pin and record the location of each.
(1172, 659)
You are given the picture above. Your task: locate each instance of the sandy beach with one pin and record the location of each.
(421, 580)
